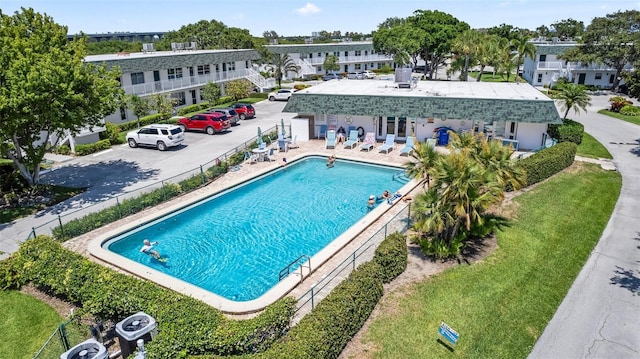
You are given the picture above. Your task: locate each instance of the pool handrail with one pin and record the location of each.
(284, 272)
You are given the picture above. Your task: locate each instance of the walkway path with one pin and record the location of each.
(600, 316)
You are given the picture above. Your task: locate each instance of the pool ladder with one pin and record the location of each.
(301, 261)
(401, 177)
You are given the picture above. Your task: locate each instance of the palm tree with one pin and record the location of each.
(524, 48)
(467, 46)
(423, 157)
(487, 52)
(283, 63)
(572, 96)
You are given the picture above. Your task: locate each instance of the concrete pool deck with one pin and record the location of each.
(322, 263)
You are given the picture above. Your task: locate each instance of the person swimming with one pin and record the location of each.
(330, 161)
(371, 202)
(147, 248)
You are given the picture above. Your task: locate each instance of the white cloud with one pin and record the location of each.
(308, 9)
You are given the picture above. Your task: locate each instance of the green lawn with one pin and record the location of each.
(26, 324)
(501, 305)
(633, 119)
(590, 147)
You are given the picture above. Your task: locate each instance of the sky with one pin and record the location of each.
(302, 17)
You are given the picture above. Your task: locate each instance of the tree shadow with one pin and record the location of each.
(636, 150)
(626, 279)
(103, 181)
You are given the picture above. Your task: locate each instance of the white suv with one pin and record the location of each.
(282, 94)
(157, 135)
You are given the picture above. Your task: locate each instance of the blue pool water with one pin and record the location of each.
(235, 244)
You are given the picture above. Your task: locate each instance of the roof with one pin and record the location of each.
(438, 99)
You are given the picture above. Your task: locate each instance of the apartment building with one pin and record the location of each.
(546, 68)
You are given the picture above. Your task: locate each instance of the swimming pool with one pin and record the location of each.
(235, 243)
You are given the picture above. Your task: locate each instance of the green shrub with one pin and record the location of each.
(83, 150)
(569, 131)
(62, 150)
(630, 110)
(147, 120)
(188, 109)
(262, 95)
(618, 102)
(112, 133)
(391, 256)
(544, 164)
(224, 100)
(184, 323)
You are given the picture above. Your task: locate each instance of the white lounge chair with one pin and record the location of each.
(331, 139)
(388, 145)
(369, 141)
(408, 146)
(352, 140)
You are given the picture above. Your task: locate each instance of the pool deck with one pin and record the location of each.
(323, 262)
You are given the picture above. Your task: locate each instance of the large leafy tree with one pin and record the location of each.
(140, 106)
(281, 64)
(211, 35)
(572, 96)
(611, 40)
(211, 93)
(238, 89)
(46, 90)
(568, 28)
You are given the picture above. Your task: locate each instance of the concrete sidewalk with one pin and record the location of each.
(600, 316)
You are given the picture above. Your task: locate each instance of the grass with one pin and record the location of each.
(590, 147)
(60, 194)
(26, 324)
(632, 119)
(501, 305)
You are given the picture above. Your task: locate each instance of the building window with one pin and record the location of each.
(336, 53)
(174, 73)
(358, 66)
(319, 54)
(137, 78)
(598, 75)
(123, 114)
(346, 53)
(611, 78)
(231, 66)
(217, 67)
(204, 69)
(539, 78)
(543, 58)
(358, 53)
(179, 96)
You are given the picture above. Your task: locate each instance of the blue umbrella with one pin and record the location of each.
(284, 133)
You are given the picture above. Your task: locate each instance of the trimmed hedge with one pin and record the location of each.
(185, 325)
(391, 256)
(83, 150)
(548, 162)
(193, 108)
(569, 131)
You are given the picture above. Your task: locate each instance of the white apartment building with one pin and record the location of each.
(546, 68)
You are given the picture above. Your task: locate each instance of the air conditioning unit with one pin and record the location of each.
(89, 349)
(137, 326)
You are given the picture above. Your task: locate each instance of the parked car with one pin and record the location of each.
(355, 76)
(328, 77)
(231, 114)
(160, 136)
(244, 110)
(369, 74)
(211, 123)
(282, 94)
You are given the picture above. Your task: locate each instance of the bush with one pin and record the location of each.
(569, 131)
(83, 150)
(391, 256)
(184, 323)
(111, 133)
(62, 150)
(617, 103)
(188, 109)
(262, 95)
(147, 120)
(630, 110)
(544, 164)
(299, 87)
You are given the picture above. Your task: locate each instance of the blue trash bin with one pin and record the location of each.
(443, 136)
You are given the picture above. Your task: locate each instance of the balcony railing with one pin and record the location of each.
(186, 82)
(346, 59)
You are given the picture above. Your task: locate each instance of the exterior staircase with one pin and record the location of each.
(262, 83)
(306, 68)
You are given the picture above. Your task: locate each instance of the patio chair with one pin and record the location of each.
(323, 132)
(251, 157)
(271, 156)
(352, 140)
(368, 142)
(293, 143)
(282, 144)
(388, 144)
(408, 146)
(331, 139)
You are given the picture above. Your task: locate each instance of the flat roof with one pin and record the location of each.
(152, 54)
(452, 89)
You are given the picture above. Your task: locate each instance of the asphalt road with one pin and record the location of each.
(122, 169)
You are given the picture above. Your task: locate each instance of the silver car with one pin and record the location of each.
(231, 114)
